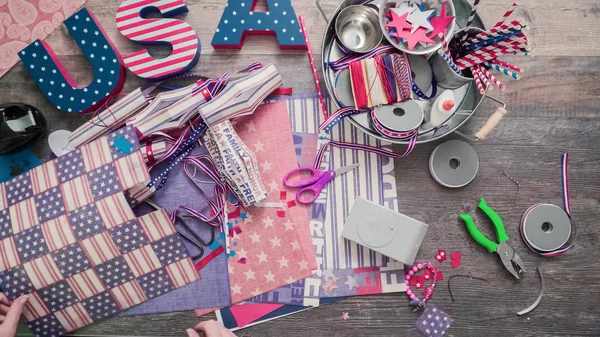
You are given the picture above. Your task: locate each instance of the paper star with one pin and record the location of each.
(404, 8)
(351, 282)
(420, 18)
(398, 22)
(412, 39)
(345, 316)
(440, 23)
(262, 257)
(122, 144)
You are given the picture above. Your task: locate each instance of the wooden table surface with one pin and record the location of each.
(552, 110)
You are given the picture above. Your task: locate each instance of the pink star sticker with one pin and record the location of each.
(440, 23)
(398, 22)
(345, 316)
(412, 39)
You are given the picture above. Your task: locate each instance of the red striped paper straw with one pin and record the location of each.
(477, 81)
(507, 14)
(495, 32)
(493, 78)
(508, 65)
(313, 66)
(486, 81)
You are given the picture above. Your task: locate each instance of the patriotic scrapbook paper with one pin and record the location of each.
(71, 242)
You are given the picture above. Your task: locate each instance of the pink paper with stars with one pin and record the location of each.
(275, 243)
(24, 21)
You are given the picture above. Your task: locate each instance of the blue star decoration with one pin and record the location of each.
(243, 216)
(239, 19)
(122, 145)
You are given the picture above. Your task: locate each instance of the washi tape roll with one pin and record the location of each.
(398, 121)
(454, 164)
(546, 227)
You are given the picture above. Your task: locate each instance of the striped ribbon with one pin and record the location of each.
(325, 139)
(567, 207)
(345, 61)
(391, 133)
(420, 92)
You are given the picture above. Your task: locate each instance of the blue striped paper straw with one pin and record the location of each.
(503, 70)
(492, 40)
(450, 62)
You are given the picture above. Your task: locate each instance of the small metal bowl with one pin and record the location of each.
(384, 9)
(357, 29)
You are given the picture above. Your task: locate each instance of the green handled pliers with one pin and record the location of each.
(512, 262)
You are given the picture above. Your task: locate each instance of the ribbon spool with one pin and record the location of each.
(399, 121)
(454, 164)
(545, 228)
(423, 80)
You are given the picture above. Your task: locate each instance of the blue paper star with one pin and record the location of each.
(122, 144)
(243, 216)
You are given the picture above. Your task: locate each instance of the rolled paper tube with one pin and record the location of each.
(485, 80)
(507, 14)
(241, 97)
(473, 13)
(313, 66)
(110, 119)
(508, 65)
(503, 70)
(494, 32)
(450, 62)
(497, 40)
(491, 123)
(477, 81)
(493, 78)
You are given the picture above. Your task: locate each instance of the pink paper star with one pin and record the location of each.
(345, 316)
(412, 39)
(397, 22)
(440, 23)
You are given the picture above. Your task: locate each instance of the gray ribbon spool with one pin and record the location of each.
(454, 164)
(421, 72)
(547, 227)
(400, 117)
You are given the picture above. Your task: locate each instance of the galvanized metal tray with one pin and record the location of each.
(467, 96)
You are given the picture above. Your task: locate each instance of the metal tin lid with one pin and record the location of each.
(403, 116)
(454, 164)
(547, 227)
(343, 88)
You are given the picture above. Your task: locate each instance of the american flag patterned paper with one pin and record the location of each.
(70, 241)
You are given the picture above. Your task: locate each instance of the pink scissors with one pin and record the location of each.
(313, 184)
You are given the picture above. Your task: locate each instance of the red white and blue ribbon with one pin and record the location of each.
(567, 206)
(336, 118)
(345, 61)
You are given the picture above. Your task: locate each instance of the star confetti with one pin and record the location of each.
(412, 39)
(420, 19)
(455, 256)
(440, 23)
(403, 8)
(440, 256)
(345, 316)
(122, 144)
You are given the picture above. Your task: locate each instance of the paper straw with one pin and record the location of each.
(507, 14)
(473, 12)
(313, 66)
(493, 32)
(508, 65)
(450, 62)
(491, 41)
(493, 78)
(503, 70)
(486, 54)
(485, 80)
(477, 81)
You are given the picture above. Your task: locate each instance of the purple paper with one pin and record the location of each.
(433, 322)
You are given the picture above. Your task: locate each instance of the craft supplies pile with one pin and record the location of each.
(225, 194)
